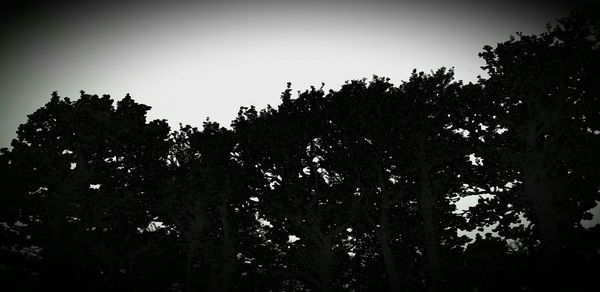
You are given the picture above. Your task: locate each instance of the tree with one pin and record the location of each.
(355, 152)
(207, 206)
(83, 172)
(285, 151)
(542, 104)
(353, 189)
(438, 162)
(366, 139)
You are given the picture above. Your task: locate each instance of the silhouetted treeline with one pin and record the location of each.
(352, 190)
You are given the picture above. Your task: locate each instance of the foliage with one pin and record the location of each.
(355, 189)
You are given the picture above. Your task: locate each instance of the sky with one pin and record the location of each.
(190, 60)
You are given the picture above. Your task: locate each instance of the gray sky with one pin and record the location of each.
(189, 60)
(193, 59)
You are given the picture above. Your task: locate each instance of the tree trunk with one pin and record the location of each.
(434, 267)
(538, 191)
(324, 264)
(383, 236)
(430, 227)
(228, 252)
(53, 255)
(189, 268)
(540, 196)
(325, 271)
(194, 242)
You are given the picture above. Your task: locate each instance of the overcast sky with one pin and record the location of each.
(195, 59)
(189, 60)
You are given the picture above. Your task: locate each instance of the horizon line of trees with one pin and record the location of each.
(354, 189)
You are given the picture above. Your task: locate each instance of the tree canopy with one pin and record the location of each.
(357, 189)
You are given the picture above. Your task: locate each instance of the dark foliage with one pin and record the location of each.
(355, 189)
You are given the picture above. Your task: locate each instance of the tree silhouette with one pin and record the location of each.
(285, 150)
(365, 116)
(543, 92)
(354, 189)
(205, 202)
(83, 181)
